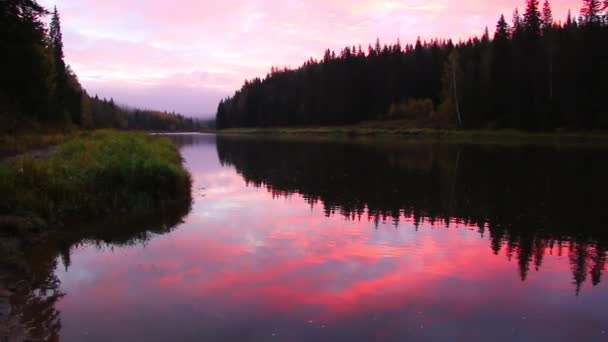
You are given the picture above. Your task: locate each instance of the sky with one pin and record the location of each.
(185, 55)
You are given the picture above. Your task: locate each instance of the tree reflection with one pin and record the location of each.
(529, 200)
(28, 295)
(29, 288)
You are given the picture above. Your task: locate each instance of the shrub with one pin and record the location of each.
(96, 174)
(412, 109)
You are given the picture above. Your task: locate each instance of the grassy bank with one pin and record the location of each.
(390, 130)
(96, 174)
(14, 144)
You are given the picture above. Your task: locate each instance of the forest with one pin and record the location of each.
(39, 89)
(535, 73)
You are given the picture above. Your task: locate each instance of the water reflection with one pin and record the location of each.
(28, 303)
(328, 241)
(529, 200)
(29, 287)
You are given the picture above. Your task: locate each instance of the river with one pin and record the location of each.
(312, 239)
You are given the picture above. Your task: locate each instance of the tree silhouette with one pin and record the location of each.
(547, 16)
(56, 41)
(591, 11)
(538, 75)
(518, 23)
(38, 86)
(532, 18)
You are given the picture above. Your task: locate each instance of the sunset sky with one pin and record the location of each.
(185, 55)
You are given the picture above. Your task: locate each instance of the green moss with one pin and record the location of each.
(95, 174)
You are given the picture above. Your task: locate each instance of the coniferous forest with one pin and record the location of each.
(533, 72)
(38, 88)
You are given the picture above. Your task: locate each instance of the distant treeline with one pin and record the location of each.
(534, 74)
(103, 113)
(38, 88)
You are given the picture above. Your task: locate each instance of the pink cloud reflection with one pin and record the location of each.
(244, 256)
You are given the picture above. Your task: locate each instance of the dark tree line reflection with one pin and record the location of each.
(28, 296)
(29, 287)
(530, 201)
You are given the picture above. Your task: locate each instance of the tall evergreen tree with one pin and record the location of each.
(547, 18)
(591, 11)
(502, 33)
(518, 25)
(569, 19)
(532, 18)
(68, 92)
(61, 77)
(25, 67)
(56, 40)
(501, 96)
(548, 45)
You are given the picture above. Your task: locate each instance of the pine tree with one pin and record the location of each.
(547, 18)
(532, 18)
(56, 39)
(502, 30)
(485, 39)
(326, 57)
(518, 25)
(591, 11)
(501, 71)
(62, 91)
(25, 71)
(548, 43)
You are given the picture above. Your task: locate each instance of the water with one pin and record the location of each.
(315, 240)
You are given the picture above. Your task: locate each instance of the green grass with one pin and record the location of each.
(13, 144)
(392, 129)
(96, 174)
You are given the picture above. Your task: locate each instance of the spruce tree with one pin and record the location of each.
(501, 67)
(592, 10)
(61, 78)
(485, 39)
(532, 18)
(548, 43)
(502, 33)
(56, 41)
(518, 25)
(24, 68)
(547, 18)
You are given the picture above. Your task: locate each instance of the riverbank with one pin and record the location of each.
(383, 130)
(94, 174)
(15, 144)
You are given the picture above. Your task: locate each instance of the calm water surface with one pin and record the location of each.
(312, 240)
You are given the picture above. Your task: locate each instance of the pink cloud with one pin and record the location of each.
(126, 48)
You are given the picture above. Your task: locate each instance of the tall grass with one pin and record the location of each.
(20, 143)
(99, 173)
